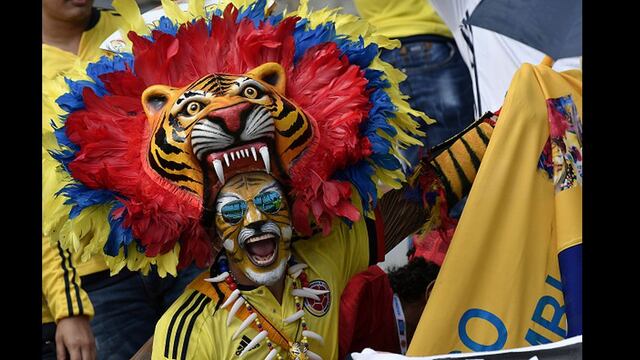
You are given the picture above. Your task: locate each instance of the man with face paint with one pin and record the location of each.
(252, 216)
(288, 291)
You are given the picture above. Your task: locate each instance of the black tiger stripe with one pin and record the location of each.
(172, 165)
(472, 154)
(75, 286)
(301, 140)
(452, 198)
(161, 142)
(197, 83)
(297, 125)
(173, 321)
(192, 322)
(65, 271)
(212, 83)
(174, 177)
(483, 136)
(183, 319)
(466, 184)
(286, 110)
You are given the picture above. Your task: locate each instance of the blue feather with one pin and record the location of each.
(80, 197)
(253, 12)
(275, 19)
(376, 81)
(167, 26)
(106, 65)
(73, 100)
(61, 135)
(360, 175)
(386, 161)
(119, 236)
(305, 39)
(358, 53)
(64, 157)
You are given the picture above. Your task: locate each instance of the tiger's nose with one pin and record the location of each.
(230, 116)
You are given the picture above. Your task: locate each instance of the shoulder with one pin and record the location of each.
(181, 327)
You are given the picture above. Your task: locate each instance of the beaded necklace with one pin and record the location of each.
(296, 350)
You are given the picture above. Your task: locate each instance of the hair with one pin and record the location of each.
(410, 281)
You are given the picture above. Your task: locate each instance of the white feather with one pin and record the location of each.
(311, 334)
(254, 342)
(232, 297)
(313, 356)
(294, 317)
(271, 355)
(218, 278)
(244, 325)
(304, 293)
(296, 267)
(234, 309)
(315, 291)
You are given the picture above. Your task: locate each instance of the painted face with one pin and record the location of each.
(253, 221)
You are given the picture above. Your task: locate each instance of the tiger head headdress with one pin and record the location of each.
(206, 94)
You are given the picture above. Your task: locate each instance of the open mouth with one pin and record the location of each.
(249, 157)
(262, 249)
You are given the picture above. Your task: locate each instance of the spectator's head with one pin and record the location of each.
(67, 10)
(413, 283)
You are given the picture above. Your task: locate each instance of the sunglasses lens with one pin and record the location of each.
(268, 202)
(234, 211)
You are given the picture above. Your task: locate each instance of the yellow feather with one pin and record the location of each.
(173, 11)
(167, 263)
(196, 8)
(130, 12)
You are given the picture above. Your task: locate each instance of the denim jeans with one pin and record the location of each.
(128, 305)
(439, 84)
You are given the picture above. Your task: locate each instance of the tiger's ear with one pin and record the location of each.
(154, 98)
(272, 74)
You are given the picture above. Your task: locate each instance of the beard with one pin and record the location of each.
(267, 278)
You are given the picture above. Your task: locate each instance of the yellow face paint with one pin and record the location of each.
(253, 221)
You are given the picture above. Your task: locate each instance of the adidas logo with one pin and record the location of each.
(243, 343)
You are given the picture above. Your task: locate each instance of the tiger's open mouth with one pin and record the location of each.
(262, 249)
(248, 157)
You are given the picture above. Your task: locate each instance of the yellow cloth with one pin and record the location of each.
(62, 295)
(332, 259)
(402, 18)
(500, 282)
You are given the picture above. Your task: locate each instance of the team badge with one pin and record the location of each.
(318, 307)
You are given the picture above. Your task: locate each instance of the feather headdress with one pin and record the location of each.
(334, 76)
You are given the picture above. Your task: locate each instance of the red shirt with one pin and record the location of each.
(366, 314)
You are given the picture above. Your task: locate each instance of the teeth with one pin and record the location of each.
(253, 152)
(246, 152)
(217, 165)
(238, 154)
(226, 159)
(233, 156)
(264, 152)
(260, 238)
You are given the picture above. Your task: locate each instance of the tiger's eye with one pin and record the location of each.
(193, 108)
(250, 92)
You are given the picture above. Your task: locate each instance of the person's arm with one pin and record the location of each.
(451, 168)
(68, 303)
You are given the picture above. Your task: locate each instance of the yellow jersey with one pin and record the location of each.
(194, 327)
(402, 18)
(62, 295)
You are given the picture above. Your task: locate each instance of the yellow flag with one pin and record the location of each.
(512, 274)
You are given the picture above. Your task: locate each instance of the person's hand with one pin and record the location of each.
(74, 339)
